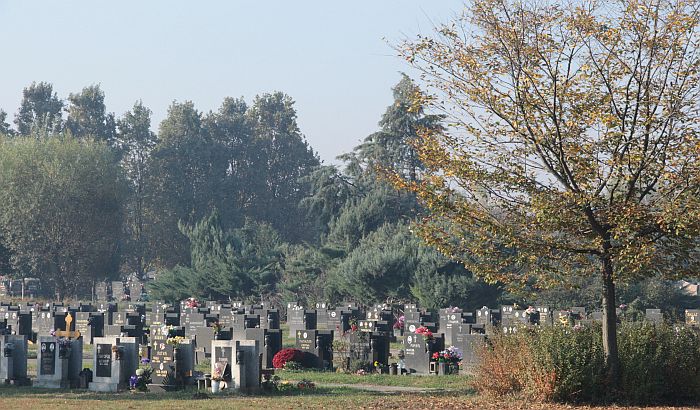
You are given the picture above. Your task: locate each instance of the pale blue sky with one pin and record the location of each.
(331, 56)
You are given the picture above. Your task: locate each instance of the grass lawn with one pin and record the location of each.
(456, 383)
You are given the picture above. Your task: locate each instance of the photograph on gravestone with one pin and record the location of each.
(224, 357)
(48, 358)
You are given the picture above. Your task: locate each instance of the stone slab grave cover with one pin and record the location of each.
(13, 359)
(115, 360)
(59, 358)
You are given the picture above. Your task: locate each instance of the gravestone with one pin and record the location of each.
(118, 292)
(471, 345)
(488, 317)
(173, 365)
(317, 345)
(163, 364)
(654, 315)
(223, 352)
(295, 320)
(339, 322)
(322, 316)
(42, 322)
(58, 362)
(20, 322)
(90, 325)
(102, 291)
(60, 358)
(13, 359)
(418, 352)
(455, 331)
(450, 319)
(269, 343)
(203, 337)
(692, 317)
(245, 370)
(115, 360)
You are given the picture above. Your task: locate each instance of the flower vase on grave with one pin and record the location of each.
(442, 368)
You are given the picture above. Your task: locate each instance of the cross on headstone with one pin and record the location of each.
(68, 333)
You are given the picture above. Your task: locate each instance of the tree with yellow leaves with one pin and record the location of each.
(573, 146)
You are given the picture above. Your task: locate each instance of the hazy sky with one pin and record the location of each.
(331, 56)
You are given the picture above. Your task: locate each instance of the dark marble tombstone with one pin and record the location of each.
(245, 321)
(507, 315)
(42, 322)
(295, 320)
(269, 340)
(454, 331)
(418, 351)
(488, 317)
(192, 320)
(203, 337)
(322, 316)
(103, 362)
(317, 347)
(131, 307)
(173, 319)
(339, 322)
(155, 318)
(19, 322)
(90, 325)
(47, 364)
(546, 317)
(163, 364)
(451, 322)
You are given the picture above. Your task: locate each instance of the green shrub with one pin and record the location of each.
(659, 364)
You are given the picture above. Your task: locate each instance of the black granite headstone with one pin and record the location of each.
(104, 360)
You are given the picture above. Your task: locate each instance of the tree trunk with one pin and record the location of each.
(612, 358)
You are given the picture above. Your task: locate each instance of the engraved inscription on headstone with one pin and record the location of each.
(48, 358)
(104, 360)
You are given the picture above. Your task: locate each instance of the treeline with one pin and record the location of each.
(228, 204)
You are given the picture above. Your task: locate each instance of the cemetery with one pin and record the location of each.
(514, 223)
(247, 350)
